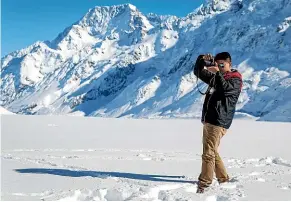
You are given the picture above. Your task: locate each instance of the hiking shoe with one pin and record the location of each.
(200, 190)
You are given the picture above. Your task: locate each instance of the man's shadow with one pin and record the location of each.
(103, 175)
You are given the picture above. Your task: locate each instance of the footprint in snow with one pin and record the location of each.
(261, 180)
(228, 186)
(254, 174)
(148, 158)
(284, 187)
(211, 198)
(144, 157)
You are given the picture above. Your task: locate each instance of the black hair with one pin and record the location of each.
(222, 56)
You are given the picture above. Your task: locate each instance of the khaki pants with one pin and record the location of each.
(211, 161)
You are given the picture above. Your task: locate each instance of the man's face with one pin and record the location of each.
(223, 65)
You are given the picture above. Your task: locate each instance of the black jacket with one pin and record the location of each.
(219, 104)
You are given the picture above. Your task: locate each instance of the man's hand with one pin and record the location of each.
(213, 69)
(208, 57)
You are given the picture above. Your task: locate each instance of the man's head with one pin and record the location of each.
(223, 61)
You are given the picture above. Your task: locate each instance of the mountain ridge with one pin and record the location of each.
(140, 66)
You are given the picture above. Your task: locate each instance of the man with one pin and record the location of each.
(218, 111)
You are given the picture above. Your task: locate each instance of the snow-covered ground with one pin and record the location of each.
(77, 158)
(4, 111)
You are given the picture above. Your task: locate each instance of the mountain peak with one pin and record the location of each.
(104, 19)
(132, 7)
(115, 9)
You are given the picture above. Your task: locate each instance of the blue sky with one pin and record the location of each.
(27, 21)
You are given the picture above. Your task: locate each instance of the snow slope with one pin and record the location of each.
(4, 111)
(118, 62)
(75, 158)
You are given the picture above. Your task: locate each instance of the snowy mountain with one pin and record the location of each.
(118, 62)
